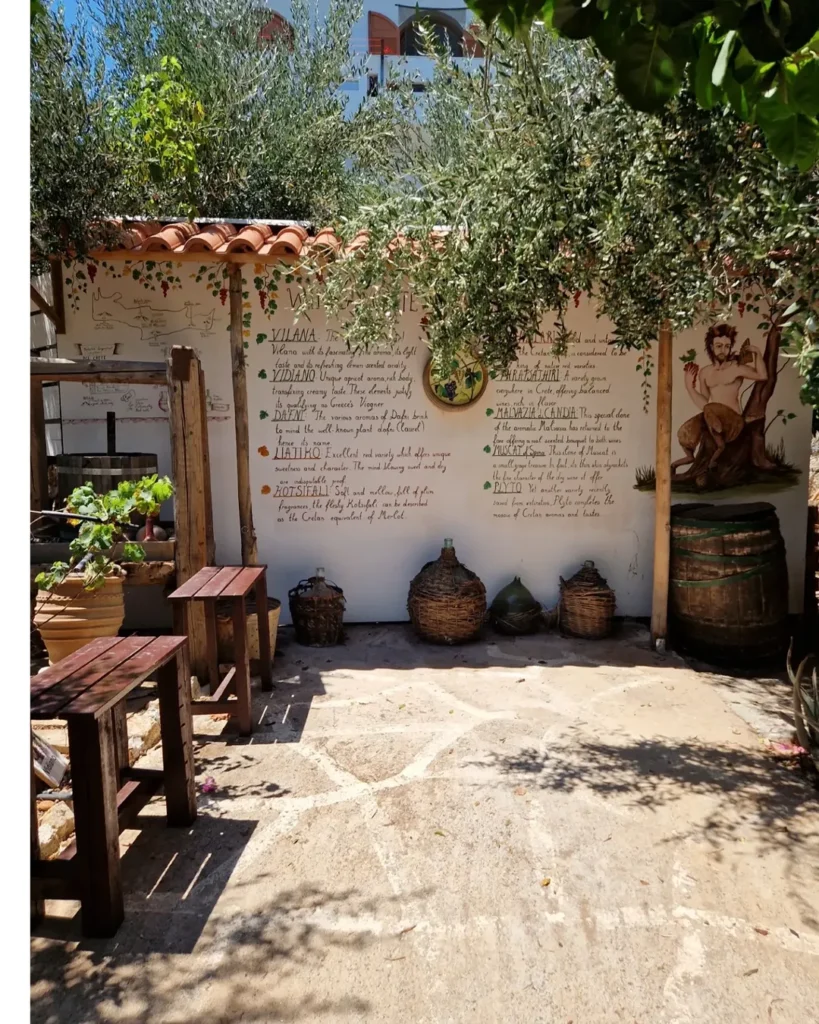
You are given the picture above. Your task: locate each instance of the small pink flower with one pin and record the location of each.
(209, 784)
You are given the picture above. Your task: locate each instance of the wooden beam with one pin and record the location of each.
(190, 461)
(662, 493)
(57, 294)
(39, 461)
(250, 554)
(110, 371)
(202, 258)
(42, 305)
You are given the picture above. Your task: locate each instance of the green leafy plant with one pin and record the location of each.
(162, 133)
(805, 706)
(760, 57)
(104, 521)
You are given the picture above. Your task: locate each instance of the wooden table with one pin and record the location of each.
(228, 583)
(88, 689)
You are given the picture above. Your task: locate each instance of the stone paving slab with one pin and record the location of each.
(512, 832)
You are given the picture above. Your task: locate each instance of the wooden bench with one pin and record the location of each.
(88, 689)
(230, 695)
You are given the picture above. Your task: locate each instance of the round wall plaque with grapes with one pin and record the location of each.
(458, 386)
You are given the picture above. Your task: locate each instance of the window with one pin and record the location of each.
(447, 32)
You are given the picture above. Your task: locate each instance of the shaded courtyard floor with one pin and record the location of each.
(517, 831)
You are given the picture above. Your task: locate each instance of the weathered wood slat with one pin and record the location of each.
(177, 741)
(94, 784)
(215, 586)
(57, 700)
(55, 674)
(240, 419)
(125, 676)
(224, 686)
(190, 588)
(243, 582)
(190, 460)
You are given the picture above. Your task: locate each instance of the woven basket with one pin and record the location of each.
(586, 604)
(317, 611)
(447, 601)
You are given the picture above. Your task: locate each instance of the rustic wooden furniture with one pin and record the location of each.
(227, 583)
(192, 547)
(88, 689)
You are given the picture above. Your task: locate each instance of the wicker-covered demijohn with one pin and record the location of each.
(317, 610)
(515, 611)
(586, 604)
(447, 601)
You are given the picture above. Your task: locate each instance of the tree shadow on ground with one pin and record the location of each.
(251, 963)
(752, 797)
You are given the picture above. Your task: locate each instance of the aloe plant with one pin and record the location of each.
(806, 705)
(104, 520)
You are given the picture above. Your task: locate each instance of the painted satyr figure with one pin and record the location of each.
(716, 391)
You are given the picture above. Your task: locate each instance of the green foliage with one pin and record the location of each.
(77, 173)
(193, 114)
(761, 57)
(549, 184)
(108, 520)
(161, 132)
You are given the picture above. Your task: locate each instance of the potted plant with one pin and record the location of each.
(81, 599)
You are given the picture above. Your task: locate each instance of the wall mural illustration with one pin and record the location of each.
(724, 444)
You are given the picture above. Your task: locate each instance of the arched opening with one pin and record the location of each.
(447, 32)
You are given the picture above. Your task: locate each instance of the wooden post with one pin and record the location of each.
(192, 497)
(250, 554)
(57, 295)
(662, 494)
(39, 461)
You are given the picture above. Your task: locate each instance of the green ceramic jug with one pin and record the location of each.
(515, 611)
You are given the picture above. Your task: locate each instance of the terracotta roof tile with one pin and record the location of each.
(224, 237)
(170, 238)
(210, 238)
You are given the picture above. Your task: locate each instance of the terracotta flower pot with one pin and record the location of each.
(68, 617)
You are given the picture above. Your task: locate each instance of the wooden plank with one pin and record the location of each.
(217, 707)
(189, 460)
(263, 625)
(211, 645)
(191, 587)
(91, 747)
(216, 585)
(662, 493)
(129, 256)
(148, 379)
(210, 554)
(53, 551)
(55, 674)
(59, 699)
(240, 419)
(118, 682)
(119, 725)
(75, 369)
(37, 906)
(177, 740)
(243, 582)
(42, 304)
(38, 450)
(225, 685)
(57, 294)
(240, 657)
(132, 797)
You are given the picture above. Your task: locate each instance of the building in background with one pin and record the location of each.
(386, 38)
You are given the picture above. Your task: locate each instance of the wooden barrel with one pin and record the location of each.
(728, 598)
(103, 472)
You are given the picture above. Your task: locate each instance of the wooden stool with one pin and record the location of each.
(88, 689)
(231, 583)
